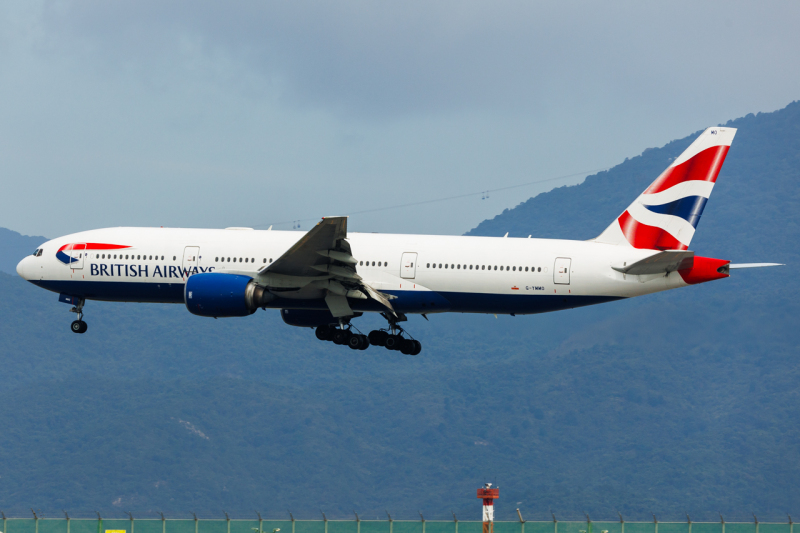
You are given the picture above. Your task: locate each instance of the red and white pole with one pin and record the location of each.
(488, 495)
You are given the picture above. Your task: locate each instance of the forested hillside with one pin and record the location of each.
(682, 401)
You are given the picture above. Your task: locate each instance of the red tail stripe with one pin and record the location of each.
(649, 237)
(704, 166)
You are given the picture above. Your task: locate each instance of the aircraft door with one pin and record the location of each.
(77, 254)
(561, 270)
(408, 265)
(191, 260)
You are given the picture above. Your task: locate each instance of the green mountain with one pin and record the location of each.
(15, 247)
(682, 401)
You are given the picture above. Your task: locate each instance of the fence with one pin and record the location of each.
(165, 525)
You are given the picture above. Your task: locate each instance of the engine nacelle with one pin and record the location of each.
(215, 294)
(309, 318)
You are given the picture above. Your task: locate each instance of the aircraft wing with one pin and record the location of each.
(662, 262)
(304, 258)
(323, 256)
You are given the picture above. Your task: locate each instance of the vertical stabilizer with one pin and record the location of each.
(665, 216)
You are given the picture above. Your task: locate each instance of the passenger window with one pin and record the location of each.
(173, 257)
(452, 266)
(270, 260)
(361, 263)
(373, 263)
(379, 263)
(526, 269)
(434, 265)
(495, 267)
(151, 258)
(445, 265)
(483, 267)
(427, 265)
(216, 259)
(385, 264)
(245, 260)
(540, 269)
(265, 260)
(501, 268)
(459, 267)
(470, 267)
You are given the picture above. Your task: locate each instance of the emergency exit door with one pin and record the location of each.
(561, 270)
(76, 255)
(408, 265)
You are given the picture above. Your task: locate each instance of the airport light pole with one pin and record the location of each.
(488, 495)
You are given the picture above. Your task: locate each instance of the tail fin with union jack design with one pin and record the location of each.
(665, 216)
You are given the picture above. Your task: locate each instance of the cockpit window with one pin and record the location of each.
(35, 252)
(40, 252)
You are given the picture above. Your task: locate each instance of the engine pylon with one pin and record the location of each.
(488, 495)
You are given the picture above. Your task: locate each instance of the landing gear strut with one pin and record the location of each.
(79, 326)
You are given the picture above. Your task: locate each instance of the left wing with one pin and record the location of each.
(323, 256)
(308, 255)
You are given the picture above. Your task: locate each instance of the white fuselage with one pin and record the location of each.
(448, 273)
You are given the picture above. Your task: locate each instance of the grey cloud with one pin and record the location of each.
(375, 58)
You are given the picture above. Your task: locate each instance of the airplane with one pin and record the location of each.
(327, 277)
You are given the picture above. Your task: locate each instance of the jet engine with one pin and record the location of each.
(215, 294)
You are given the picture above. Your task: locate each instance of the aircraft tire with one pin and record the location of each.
(407, 347)
(417, 348)
(341, 336)
(84, 327)
(364, 342)
(77, 326)
(354, 342)
(378, 338)
(322, 332)
(393, 342)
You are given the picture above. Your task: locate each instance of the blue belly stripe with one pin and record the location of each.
(406, 301)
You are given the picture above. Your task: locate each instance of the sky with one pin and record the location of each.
(240, 113)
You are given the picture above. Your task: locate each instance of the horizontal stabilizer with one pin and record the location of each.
(755, 265)
(663, 262)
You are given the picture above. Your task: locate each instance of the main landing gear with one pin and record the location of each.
(78, 326)
(391, 338)
(343, 336)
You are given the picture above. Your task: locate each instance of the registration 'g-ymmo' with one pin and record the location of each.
(325, 278)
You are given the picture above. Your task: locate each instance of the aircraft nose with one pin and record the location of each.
(23, 268)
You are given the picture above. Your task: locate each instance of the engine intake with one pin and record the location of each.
(215, 294)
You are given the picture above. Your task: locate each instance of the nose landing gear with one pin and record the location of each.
(78, 326)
